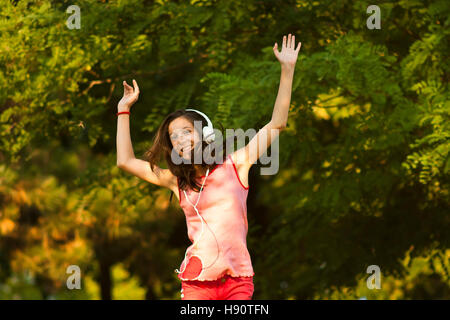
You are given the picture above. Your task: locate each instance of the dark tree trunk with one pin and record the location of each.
(105, 280)
(149, 294)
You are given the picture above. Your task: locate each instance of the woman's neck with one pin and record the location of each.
(199, 171)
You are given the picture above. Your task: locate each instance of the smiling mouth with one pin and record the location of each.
(185, 148)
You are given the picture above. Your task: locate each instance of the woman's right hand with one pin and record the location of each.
(130, 96)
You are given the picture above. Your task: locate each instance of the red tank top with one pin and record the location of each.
(222, 247)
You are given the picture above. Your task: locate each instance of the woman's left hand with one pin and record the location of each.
(288, 55)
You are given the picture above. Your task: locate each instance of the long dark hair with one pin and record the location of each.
(162, 147)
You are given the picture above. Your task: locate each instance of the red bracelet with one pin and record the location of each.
(123, 112)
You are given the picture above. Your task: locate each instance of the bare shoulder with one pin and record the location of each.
(240, 159)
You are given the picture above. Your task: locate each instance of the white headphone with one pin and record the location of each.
(208, 131)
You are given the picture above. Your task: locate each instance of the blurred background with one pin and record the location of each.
(364, 161)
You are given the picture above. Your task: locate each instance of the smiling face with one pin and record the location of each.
(183, 136)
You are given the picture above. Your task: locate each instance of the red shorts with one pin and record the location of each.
(225, 288)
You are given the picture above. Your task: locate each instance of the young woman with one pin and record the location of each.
(213, 196)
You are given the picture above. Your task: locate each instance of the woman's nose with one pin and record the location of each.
(183, 139)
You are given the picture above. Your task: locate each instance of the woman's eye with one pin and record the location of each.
(184, 132)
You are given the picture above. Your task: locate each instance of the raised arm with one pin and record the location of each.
(247, 156)
(126, 159)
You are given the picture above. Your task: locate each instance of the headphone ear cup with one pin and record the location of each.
(208, 134)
